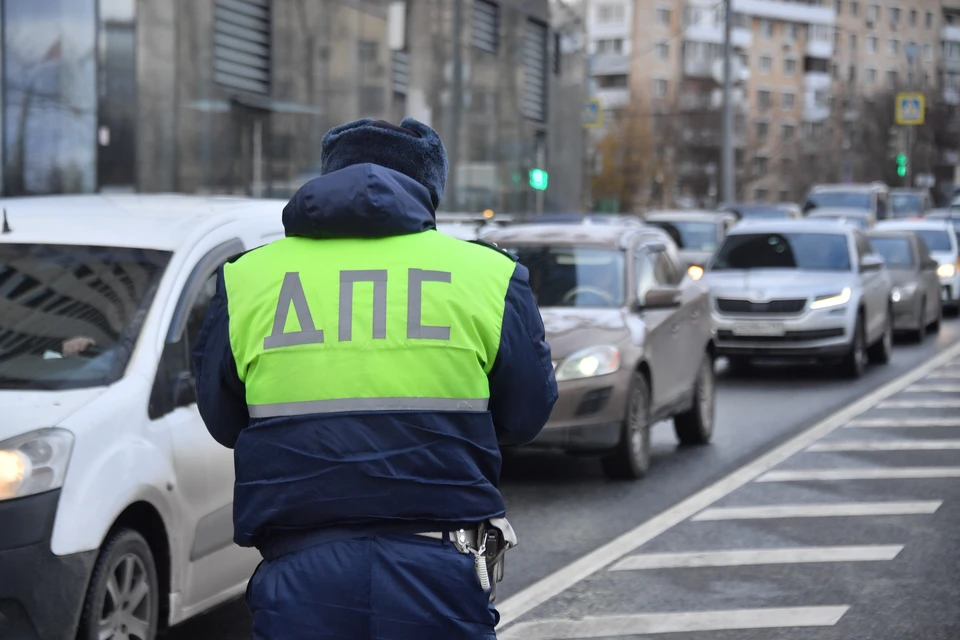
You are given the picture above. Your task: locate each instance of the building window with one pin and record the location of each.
(662, 50)
(792, 32)
(854, 8)
(927, 78)
(894, 15)
(401, 72)
(618, 81)
(763, 99)
(929, 20)
(760, 165)
(787, 132)
(872, 42)
(534, 57)
(659, 88)
(760, 194)
(610, 13)
(913, 17)
(838, 6)
(928, 52)
(241, 54)
(789, 67)
(873, 13)
(663, 17)
(821, 99)
(852, 74)
(367, 50)
(765, 64)
(891, 79)
(870, 76)
(766, 28)
(788, 100)
(893, 46)
(486, 26)
(853, 43)
(610, 46)
(763, 131)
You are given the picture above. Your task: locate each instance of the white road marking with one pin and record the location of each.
(562, 579)
(944, 375)
(750, 557)
(867, 473)
(839, 509)
(933, 388)
(946, 403)
(688, 621)
(902, 422)
(885, 445)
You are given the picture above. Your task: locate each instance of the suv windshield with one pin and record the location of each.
(811, 251)
(896, 252)
(698, 236)
(70, 315)
(574, 276)
(936, 240)
(841, 199)
(903, 204)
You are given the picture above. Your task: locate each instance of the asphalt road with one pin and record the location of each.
(563, 508)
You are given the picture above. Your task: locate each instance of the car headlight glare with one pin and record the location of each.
(588, 363)
(34, 462)
(695, 272)
(946, 270)
(834, 300)
(903, 292)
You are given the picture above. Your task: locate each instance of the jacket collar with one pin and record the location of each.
(359, 201)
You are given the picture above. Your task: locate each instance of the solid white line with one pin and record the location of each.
(688, 621)
(868, 473)
(902, 422)
(750, 557)
(920, 404)
(885, 445)
(933, 388)
(839, 509)
(562, 579)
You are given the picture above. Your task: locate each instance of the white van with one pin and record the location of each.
(115, 502)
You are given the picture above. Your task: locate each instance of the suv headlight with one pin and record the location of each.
(946, 270)
(834, 300)
(590, 362)
(34, 462)
(903, 292)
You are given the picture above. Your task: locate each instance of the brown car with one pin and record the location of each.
(631, 336)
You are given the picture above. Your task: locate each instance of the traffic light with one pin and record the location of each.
(901, 164)
(538, 179)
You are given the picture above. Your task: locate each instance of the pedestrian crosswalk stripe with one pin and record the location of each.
(885, 445)
(866, 473)
(820, 510)
(947, 403)
(687, 621)
(883, 423)
(749, 557)
(933, 388)
(952, 374)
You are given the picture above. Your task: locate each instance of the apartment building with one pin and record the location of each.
(609, 47)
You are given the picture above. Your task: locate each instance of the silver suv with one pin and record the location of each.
(801, 289)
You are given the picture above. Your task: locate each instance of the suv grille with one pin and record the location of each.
(731, 305)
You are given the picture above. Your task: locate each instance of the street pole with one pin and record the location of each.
(456, 104)
(728, 195)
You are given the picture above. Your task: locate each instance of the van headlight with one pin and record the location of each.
(946, 270)
(903, 292)
(833, 300)
(589, 362)
(34, 462)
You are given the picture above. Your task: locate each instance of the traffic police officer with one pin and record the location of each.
(365, 370)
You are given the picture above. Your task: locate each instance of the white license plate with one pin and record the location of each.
(759, 329)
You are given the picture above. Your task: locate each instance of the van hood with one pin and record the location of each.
(25, 411)
(776, 283)
(570, 329)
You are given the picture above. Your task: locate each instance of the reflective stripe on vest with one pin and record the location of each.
(407, 323)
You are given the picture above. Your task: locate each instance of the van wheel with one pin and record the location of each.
(695, 426)
(123, 599)
(631, 459)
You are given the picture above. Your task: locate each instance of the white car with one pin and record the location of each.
(115, 502)
(943, 241)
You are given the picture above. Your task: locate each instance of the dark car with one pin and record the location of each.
(916, 286)
(697, 233)
(631, 337)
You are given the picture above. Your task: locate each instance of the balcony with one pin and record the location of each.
(740, 38)
(950, 33)
(609, 64)
(819, 48)
(786, 11)
(816, 81)
(614, 98)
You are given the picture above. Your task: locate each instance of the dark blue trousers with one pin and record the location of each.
(392, 587)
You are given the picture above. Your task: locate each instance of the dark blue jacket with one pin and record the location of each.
(305, 479)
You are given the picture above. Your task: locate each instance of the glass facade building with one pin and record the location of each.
(234, 96)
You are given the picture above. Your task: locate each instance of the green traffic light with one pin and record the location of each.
(538, 179)
(901, 159)
(901, 171)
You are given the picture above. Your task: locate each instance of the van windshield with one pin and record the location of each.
(70, 315)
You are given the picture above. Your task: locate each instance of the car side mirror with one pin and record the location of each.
(871, 263)
(184, 389)
(931, 265)
(660, 298)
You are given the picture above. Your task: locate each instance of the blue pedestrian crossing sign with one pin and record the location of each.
(910, 108)
(592, 114)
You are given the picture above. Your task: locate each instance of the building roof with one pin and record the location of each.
(128, 220)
